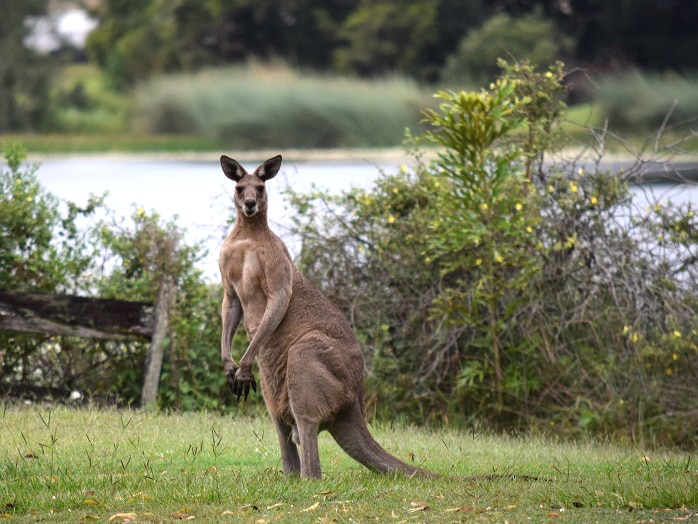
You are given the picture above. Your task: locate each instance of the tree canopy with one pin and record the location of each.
(137, 38)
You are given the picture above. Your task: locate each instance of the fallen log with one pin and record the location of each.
(76, 316)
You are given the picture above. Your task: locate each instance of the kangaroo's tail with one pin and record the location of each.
(353, 437)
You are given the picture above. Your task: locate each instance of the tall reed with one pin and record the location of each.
(255, 105)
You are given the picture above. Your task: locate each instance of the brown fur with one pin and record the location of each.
(310, 363)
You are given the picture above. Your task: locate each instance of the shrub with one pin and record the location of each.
(254, 106)
(45, 250)
(530, 37)
(641, 102)
(486, 291)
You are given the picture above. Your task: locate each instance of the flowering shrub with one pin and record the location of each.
(493, 286)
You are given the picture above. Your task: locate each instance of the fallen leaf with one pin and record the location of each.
(89, 517)
(419, 506)
(31, 456)
(125, 517)
(183, 516)
(462, 509)
(275, 505)
(311, 508)
(554, 515)
(5, 516)
(91, 502)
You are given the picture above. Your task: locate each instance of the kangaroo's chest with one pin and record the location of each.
(247, 276)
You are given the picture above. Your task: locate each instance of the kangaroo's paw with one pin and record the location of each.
(231, 369)
(243, 382)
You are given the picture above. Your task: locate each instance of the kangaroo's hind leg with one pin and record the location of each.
(289, 451)
(317, 390)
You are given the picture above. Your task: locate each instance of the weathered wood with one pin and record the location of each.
(156, 352)
(75, 316)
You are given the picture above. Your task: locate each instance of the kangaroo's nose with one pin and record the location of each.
(250, 203)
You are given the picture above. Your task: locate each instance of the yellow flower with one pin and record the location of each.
(580, 171)
(484, 207)
(498, 258)
(395, 190)
(518, 206)
(674, 356)
(594, 200)
(403, 168)
(689, 214)
(140, 211)
(391, 219)
(550, 188)
(573, 187)
(677, 333)
(478, 262)
(549, 74)
(529, 229)
(29, 199)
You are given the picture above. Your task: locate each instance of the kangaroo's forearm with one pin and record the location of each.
(273, 315)
(231, 313)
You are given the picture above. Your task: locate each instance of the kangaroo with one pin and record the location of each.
(310, 363)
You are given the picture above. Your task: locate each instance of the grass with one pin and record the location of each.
(255, 105)
(59, 464)
(62, 143)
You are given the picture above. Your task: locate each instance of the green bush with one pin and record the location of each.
(641, 102)
(254, 106)
(45, 250)
(488, 289)
(531, 37)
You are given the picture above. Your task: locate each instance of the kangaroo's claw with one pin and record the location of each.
(241, 387)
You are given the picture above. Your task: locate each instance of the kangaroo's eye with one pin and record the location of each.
(260, 190)
(238, 190)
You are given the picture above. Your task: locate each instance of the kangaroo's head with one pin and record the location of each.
(250, 195)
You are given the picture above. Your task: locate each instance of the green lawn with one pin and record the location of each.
(89, 464)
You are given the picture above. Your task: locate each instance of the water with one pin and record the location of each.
(199, 196)
(195, 193)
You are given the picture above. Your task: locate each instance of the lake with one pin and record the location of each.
(199, 195)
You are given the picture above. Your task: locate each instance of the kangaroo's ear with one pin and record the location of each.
(232, 169)
(269, 168)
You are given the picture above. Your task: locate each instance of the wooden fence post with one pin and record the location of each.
(153, 362)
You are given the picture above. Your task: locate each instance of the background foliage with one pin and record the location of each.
(489, 290)
(255, 105)
(434, 43)
(55, 246)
